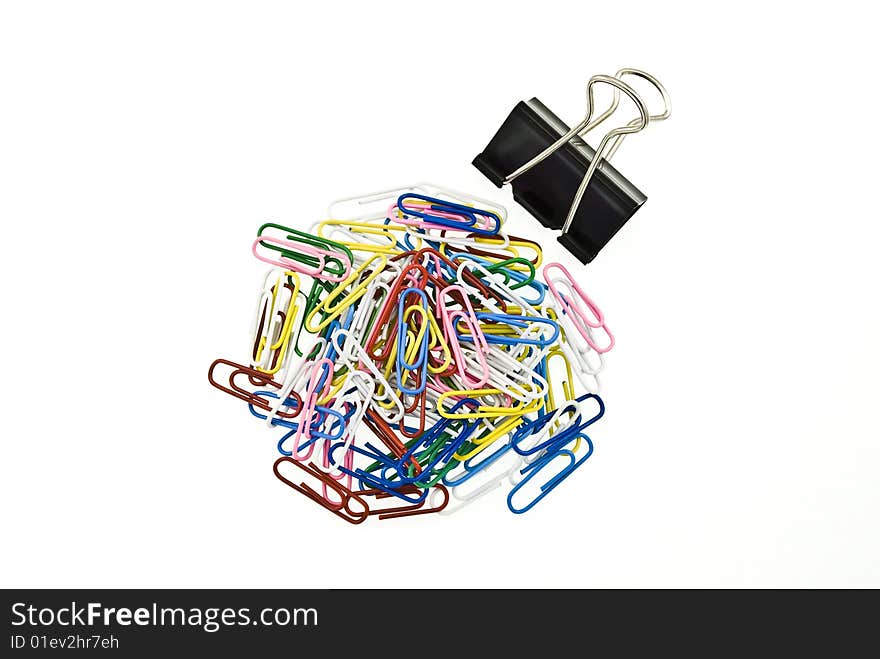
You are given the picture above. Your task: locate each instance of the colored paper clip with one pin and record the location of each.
(320, 417)
(577, 306)
(413, 275)
(370, 237)
(518, 321)
(304, 253)
(359, 281)
(532, 470)
(317, 381)
(479, 411)
(274, 318)
(444, 448)
(439, 214)
(406, 510)
(347, 497)
(369, 480)
(293, 402)
(567, 383)
(555, 426)
(465, 315)
(404, 360)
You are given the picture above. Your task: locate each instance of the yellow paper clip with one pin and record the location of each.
(495, 433)
(484, 411)
(280, 344)
(336, 310)
(381, 236)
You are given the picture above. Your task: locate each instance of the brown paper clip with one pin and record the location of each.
(257, 379)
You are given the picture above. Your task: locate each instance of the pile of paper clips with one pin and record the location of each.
(413, 360)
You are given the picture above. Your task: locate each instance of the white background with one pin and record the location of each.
(141, 144)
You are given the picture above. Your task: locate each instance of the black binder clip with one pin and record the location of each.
(551, 167)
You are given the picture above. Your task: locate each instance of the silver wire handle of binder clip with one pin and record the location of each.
(612, 139)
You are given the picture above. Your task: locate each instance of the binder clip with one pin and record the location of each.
(559, 178)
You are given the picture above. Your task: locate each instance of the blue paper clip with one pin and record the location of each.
(557, 439)
(536, 467)
(394, 471)
(422, 356)
(288, 435)
(442, 457)
(320, 418)
(365, 478)
(514, 321)
(470, 224)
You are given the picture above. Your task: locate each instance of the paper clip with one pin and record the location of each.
(275, 314)
(532, 470)
(359, 283)
(371, 481)
(346, 496)
(577, 305)
(370, 237)
(567, 383)
(406, 510)
(304, 253)
(465, 315)
(257, 379)
(440, 214)
(420, 343)
(413, 275)
(317, 381)
(552, 424)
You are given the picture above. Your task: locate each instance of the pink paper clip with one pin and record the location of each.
(310, 399)
(290, 264)
(570, 305)
(469, 318)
